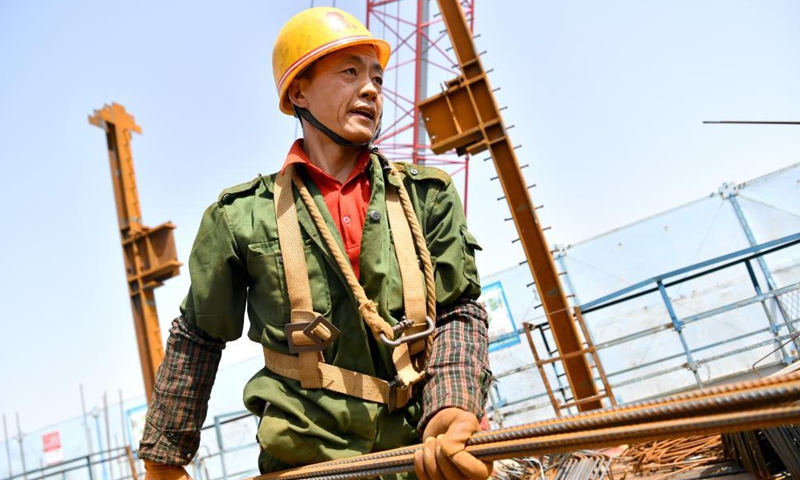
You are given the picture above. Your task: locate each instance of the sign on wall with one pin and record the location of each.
(53, 453)
(502, 329)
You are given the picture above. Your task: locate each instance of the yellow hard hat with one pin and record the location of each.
(312, 34)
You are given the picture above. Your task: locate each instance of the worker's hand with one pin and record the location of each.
(159, 471)
(443, 456)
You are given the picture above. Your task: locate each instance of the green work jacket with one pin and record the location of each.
(236, 262)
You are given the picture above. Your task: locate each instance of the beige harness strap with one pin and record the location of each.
(331, 378)
(424, 259)
(340, 380)
(413, 288)
(296, 272)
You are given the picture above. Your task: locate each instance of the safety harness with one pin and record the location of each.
(309, 333)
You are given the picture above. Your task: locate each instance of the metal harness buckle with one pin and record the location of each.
(430, 326)
(396, 389)
(309, 329)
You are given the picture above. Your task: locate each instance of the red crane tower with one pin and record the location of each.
(422, 52)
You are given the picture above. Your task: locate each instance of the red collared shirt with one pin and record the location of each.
(347, 202)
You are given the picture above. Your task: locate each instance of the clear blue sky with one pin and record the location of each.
(607, 99)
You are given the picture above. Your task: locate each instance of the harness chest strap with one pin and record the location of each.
(295, 270)
(413, 290)
(340, 380)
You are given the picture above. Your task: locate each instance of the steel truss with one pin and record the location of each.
(421, 56)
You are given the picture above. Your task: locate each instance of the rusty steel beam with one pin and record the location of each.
(465, 117)
(150, 255)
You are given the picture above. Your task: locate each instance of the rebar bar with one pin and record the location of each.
(368, 466)
(732, 407)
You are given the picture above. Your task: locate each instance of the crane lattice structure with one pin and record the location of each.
(422, 53)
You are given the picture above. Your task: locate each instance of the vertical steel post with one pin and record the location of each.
(497, 415)
(86, 429)
(421, 75)
(21, 450)
(108, 433)
(221, 443)
(774, 328)
(730, 193)
(8, 447)
(122, 418)
(131, 463)
(100, 451)
(678, 326)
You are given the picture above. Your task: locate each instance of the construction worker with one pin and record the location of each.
(359, 280)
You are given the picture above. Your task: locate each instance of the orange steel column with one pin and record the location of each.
(465, 117)
(150, 254)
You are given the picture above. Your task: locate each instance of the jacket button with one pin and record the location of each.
(375, 216)
(414, 171)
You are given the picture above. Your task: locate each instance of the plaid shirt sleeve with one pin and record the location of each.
(180, 395)
(458, 370)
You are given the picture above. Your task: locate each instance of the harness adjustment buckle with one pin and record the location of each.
(399, 394)
(312, 336)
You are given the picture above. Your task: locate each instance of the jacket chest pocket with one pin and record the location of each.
(268, 296)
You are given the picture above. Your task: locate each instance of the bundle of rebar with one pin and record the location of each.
(580, 465)
(662, 459)
(755, 404)
(765, 452)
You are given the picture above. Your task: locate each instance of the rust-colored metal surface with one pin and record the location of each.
(465, 117)
(149, 253)
(732, 408)
(589, 349)
(671, 457)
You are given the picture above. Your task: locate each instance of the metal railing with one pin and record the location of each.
(781, 325)
(123, 463)
(84, 467)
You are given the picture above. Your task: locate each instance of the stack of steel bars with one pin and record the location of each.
(666, 458)
(584, 465)
(762, 452)
(785, 441)
(519, 469)
(755, 404)
(580, 465)
(750, 450)
(765, 452)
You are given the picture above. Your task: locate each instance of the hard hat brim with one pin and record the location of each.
(382, 48)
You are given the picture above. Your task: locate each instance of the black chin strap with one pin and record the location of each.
(308, 117)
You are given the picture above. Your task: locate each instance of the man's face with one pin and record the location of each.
(343, 91)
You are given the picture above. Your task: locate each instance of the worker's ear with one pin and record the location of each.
(296, 92)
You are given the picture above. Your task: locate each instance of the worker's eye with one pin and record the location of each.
(378, 80)
(351, 71)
